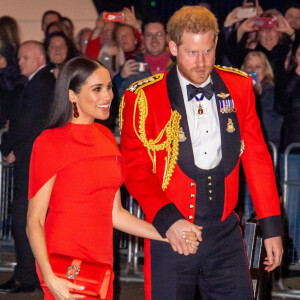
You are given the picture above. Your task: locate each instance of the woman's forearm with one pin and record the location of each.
(36, 235)
(127, 222)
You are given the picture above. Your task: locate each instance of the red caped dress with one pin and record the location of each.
(89, 170)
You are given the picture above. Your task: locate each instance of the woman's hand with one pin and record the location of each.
(232, 17)
(60, 288)
(284, 26)
(130, 18)
(192, 239)
(248, 25)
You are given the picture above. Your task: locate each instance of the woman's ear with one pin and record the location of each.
(72, 96)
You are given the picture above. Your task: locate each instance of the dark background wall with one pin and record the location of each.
(166, 8)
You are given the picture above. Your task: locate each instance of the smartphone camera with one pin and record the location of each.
(246, 12)
(113, 17)
(254, 77)
(143, 67)
(109, 61)
(266, 22)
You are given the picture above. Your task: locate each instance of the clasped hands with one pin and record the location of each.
(184, 237)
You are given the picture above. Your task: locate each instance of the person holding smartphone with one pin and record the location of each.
(154, 59)
(258, 67)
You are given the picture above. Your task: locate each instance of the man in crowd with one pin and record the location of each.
(156, 56)
(183, 135)
(49, 16)
(29, 116)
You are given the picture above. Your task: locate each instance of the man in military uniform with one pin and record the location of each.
(183, 135)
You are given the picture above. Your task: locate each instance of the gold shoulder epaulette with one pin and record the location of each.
(232, 70)
(136, 86)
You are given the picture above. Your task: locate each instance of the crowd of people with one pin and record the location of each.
(265, 45)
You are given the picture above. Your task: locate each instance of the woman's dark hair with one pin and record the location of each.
(50, 12)
(9, 29)
(72, 51)
(8, 51)
(72, 77)
(292, 65)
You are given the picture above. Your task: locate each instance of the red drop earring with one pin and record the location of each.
(75, 110)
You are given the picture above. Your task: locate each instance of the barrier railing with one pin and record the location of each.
(291, 205)
(6, 199)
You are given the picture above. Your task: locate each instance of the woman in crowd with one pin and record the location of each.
(9, 76)
(82, 38)
(289, 105)
(9, 29)
(58, 26)
(75, 175)
(258, 66)
(59, 49)
(112, 57)
(257, 63)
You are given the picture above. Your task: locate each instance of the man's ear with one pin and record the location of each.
(173, 48)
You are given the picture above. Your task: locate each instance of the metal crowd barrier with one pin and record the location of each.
(291, 199)
(6, 198)
(291, 205)
(132, 247)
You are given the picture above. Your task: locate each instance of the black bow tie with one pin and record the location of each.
(192, 91)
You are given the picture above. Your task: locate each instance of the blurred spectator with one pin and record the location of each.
(82, 39)
(125, 36)
(156, 53)
(59, 49)
(69, 26)
(156, 56)
(258, 66)
(289, 105)
(30, 112)
(58, 26)
(9, 75)
(292, 14)
(9, 29)
(112, 57)
(274, 42)
(49, 16)
(289, 100)
(103, 32)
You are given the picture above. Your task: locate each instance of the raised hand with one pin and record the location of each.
(130, 68)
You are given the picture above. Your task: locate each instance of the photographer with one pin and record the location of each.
(103, 31)
(156, 58)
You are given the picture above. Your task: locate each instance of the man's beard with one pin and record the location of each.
(191, 76)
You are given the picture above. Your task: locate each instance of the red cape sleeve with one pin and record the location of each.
(43, 163)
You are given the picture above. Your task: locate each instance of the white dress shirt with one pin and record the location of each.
(204, 129)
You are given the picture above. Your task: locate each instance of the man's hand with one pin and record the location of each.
(176, 238)
(274, 253)
(130, 68)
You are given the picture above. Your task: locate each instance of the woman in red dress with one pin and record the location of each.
(75, 174)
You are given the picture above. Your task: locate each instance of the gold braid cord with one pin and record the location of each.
(121, 108)
(171, 131)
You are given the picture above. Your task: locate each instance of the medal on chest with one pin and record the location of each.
(200, 110)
